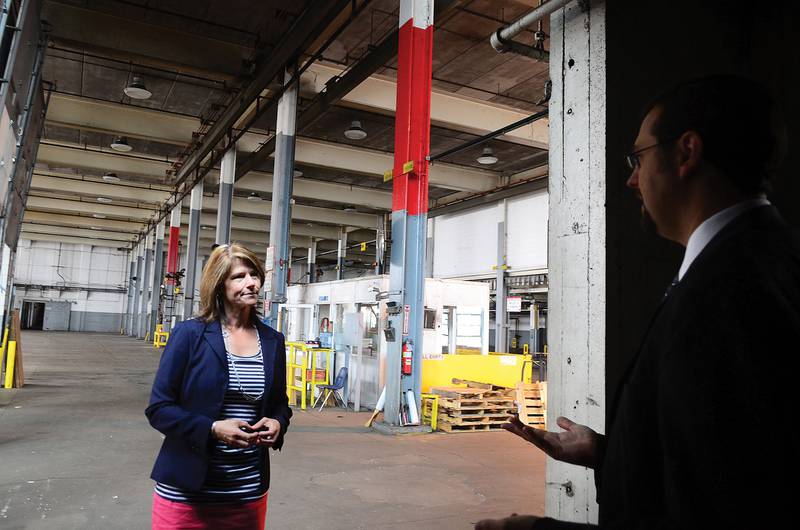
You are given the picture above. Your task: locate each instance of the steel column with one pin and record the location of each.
(174, 240)
(281, 214)
(312, 261)
(341, 253)
(192, 241)
(380, 245)
(158, 265)
(148, 257)
(500, 314)
(126, 325)
(225, 209)
(409, 198)
(137, 286)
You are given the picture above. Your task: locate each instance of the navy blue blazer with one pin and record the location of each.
(187, 397)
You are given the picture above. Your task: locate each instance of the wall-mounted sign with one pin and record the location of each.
(514, 304)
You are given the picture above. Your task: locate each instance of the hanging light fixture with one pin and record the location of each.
(98, 216)
(254, 196)
(111, 177)
(137, 90)
(355, 132)
(120, 143)
(104, 200)
(349, 208)
(297, 173)
(487, 158)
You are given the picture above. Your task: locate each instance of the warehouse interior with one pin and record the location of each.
(136, 135)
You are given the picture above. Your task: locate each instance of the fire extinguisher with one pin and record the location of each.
(408, 354)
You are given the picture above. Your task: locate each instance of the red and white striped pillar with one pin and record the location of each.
(410, 202)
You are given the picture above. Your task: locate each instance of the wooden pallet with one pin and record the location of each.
(532, 403)
(478, 406)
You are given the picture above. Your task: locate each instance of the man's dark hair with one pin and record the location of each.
(743, 135)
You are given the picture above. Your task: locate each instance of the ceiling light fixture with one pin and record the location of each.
(487, 158)
(297, 173)
(104, 200)
(120, 144)
(349, 208)
(254, 196)
(355, 132)
(96, 227)
(111, 177)
(206, 227)
(137, 90)
(98, 216)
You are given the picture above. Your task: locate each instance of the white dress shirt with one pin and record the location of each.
(711, 227)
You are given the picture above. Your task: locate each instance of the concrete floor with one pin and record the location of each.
(76, 453)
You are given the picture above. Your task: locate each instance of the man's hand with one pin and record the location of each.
(267, 430)
(576, 445)
(230, 432)
(515, 522)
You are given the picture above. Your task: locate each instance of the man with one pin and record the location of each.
(699, 434)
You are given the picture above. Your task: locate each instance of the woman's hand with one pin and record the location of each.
(267, 431)
(230, 432)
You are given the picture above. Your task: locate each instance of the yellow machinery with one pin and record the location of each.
(302, 373)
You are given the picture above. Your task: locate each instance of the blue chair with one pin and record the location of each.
(334, 389)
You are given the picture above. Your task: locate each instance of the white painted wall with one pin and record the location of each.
(51, 271)
(465, 243)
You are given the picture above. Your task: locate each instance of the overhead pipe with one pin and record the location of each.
(501, 39)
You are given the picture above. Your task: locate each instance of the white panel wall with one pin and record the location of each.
(527, 232)
(465, 243)
(67, 272)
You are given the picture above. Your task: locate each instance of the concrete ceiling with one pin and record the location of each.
(197, 56)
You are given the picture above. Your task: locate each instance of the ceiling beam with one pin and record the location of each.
(460, 113)
(252, 224)
(145, 44)
(48, 204)
(36, 236)
(64, 155)
(299, 212)
(87, 233)
(96, 189)
(57, 219)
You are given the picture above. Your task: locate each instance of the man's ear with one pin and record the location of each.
(690, 149)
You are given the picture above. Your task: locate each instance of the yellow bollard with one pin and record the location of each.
(12, 354)
(3, 347)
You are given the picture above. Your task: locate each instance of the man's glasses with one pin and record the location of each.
(632, 159)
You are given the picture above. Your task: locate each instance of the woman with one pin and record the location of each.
(219, 397)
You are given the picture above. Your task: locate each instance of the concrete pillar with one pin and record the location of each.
(192, 241)
(143, 310)
(312, 261)
(158, 277)
(127, 318)
(577, 243)
(341, 253)
(280, 220)
(225, 209)
(500, 313)
(137, 289)
(409, 199)
(429, 239)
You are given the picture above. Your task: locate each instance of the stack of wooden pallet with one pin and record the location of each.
(478, 407)
(531, 399)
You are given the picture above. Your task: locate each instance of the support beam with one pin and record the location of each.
(46, 204)
(195, 205)
(128, 322)
(341, 253)
(380, 244)
(122, 238)
(79, 221)
(158, 265)
(225, 205)
(410, 202)
(87, 188)
(281, 198)
(35, 236)
(145, 297)
(137, 288)
(312, 261)
(500, 314)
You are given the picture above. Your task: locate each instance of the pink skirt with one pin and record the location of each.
(170, 515)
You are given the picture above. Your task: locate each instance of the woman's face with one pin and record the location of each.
(242, 285)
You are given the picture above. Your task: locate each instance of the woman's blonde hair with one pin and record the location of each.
(212, 284)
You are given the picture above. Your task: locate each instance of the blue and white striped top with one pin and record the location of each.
(233, 472)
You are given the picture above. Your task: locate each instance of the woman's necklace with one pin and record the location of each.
(232, 361)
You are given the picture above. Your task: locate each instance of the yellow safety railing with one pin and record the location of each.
(302, 374)
(160, 337)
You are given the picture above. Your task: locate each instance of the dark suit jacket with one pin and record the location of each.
(701, 430)
(187, 397)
